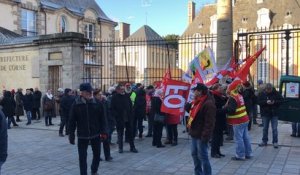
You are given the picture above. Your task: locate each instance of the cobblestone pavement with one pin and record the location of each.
(37, 150)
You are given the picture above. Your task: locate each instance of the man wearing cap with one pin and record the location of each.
(237, 117)
(87, 116)
(201, 125)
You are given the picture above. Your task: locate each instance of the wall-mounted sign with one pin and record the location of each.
(292, 90)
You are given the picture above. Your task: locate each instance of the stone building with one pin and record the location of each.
(145, 53)
(251, 15)
(50, 35)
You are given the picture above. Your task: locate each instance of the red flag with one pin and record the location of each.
(175, 95)
(243, 72)
(166, 77)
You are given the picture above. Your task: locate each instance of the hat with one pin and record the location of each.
(200, 87)
(111, 90)
(234, 85)
(67, 90)
(259, 82)
(86, 87)
(60, 90)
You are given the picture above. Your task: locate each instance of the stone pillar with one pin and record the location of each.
(65, 50)
(225, 29)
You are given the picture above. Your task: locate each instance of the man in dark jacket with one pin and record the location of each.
(121, 107)
(65, 106)
(37, 95)
(87, 116)
(201, 125)
(3, 139)
(248, 94)
(139, 112)
(269, 101)
(9, 105)
(28, 105)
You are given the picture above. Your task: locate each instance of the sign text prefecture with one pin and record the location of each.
(13, 63)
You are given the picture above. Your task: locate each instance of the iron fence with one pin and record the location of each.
(140, 60)
(281, 56)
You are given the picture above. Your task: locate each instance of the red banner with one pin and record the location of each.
(175, 95)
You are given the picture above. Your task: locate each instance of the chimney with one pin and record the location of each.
(124, 31)
(191, 11)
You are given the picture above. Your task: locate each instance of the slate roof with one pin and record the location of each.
(77, 7)
(7, 35)
(144, 33)
(247, 9)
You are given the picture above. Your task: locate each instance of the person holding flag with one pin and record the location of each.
(237, 117)
(201, 125)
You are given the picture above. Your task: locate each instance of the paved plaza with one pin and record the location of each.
(37, 150)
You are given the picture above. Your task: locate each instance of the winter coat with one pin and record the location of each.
(249, 98)
(28, 102)
(140, 104)
(203, 125)
(269, 110)
(3, 137)
(121, 107)
(220, 101)
(8, 105)
(87, 116)
(37, 95)
(65, 105)
(156, 105)
(19, 104)
(45, 99)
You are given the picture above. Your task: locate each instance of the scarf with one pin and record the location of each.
(196, 106)
(50, 96)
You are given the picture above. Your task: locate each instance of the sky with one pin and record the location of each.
(163, 16)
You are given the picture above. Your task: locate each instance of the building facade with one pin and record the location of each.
(31, 20)
(270, 18)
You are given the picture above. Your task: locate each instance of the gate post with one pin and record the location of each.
(287, 38)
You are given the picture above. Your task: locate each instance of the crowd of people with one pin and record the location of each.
(229, 108)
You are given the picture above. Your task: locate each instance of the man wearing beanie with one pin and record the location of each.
(237, 117)
(87, 116)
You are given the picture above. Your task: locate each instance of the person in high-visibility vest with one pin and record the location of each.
(237, 117)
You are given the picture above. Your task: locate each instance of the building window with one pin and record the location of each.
(213, 24)
(136, 57)
(259, 1)
(263, 18)
(63, 24)
(89, 31)
(244, 20)
(28, 22)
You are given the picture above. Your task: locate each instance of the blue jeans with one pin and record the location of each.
(200, 157)
(296, 128)
(28, 115)
(1, 163)
(274, 124)
(242, 140)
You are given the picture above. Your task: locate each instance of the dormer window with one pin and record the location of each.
(63, 24)
(263, 18)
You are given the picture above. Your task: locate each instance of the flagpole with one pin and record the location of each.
(169, 65)
(126, 65)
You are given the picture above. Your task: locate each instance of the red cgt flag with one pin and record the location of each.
(175, 95)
